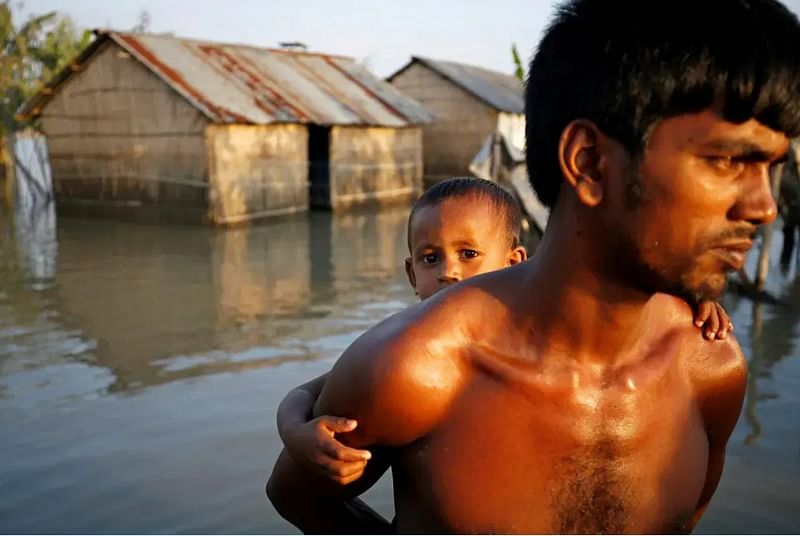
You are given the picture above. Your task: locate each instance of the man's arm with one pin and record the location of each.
(721, 403)
(396, 383)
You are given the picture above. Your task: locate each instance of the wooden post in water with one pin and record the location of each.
(763, 258)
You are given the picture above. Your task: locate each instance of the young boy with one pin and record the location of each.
(457, 229)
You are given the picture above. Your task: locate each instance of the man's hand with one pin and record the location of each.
(712, 320)
(314, 446)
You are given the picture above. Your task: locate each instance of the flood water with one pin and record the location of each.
(141, 368)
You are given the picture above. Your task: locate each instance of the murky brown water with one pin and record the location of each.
(141, 367)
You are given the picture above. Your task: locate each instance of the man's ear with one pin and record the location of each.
(412, 278)
(581, 159)
(517, 255)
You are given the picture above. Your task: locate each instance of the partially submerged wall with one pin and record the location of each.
(374, 165)
(121, 142)
(256, 171)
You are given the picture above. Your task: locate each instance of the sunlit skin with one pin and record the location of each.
(715, 192)
(452, 241)
(448, 242)
(564, 394)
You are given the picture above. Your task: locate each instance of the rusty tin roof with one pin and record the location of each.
(249, 85)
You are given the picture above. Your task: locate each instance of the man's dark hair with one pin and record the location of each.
(627, 64)
(503, 202)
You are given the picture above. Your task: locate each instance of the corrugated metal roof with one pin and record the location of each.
(244, 84)
(498, 90)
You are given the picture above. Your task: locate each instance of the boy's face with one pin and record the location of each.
(454, 240)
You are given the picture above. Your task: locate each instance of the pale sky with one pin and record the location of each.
(383, 33)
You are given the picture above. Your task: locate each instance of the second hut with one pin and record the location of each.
(469, 102)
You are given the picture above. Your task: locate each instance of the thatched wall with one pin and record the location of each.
(257, 171)
(374, 165)
(121, 142)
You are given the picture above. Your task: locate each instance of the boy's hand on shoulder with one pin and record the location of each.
(313, 445)
(712, 320)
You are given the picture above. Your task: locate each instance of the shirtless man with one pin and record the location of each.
(570, 393)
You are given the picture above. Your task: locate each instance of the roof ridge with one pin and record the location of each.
(202, 41)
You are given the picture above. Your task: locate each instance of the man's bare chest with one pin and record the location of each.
(511, 458)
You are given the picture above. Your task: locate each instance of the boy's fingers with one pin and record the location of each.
(712, 326)
(703, 312)
(724, 322)
(338, 451)
(349, 469)
(720, 314)
(338, 425)
(348, 479)
(723, 316)
(337, 469)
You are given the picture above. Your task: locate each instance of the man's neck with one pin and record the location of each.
(579, 311)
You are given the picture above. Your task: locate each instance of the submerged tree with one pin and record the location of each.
(30, 54)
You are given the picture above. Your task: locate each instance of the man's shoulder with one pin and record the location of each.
(680, 321)
(712, 361)
(720, 368)
(715, 368)
(404, 371)
(719, 379)
(441, 327)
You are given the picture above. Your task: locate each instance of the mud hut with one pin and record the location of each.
(469, 103)
(154, 126)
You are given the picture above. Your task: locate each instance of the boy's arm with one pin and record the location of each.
(312, 442)
(721, 403)
(297, 407)
(316, 505)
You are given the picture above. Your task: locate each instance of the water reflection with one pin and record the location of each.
(99, 319)
(772, 340)
(152, 304)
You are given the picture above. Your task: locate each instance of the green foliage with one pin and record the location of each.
(30, 54)
(519, 68)
(60, 45)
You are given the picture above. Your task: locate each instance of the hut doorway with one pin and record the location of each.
(319, 141)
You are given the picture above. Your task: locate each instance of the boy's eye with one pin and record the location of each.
(430, 258)
(469, 253)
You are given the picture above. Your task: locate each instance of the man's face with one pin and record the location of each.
(688, 208)
(455, 240)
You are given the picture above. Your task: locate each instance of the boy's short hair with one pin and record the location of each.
(627, 64)
(503, 202)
